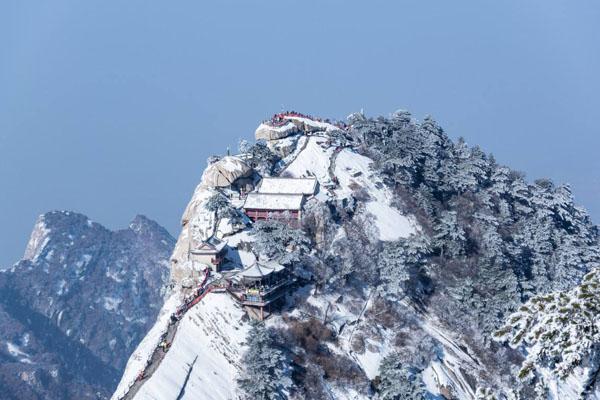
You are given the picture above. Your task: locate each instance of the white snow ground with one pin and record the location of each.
(353, 169)
(210, 341)
(144, 351)
(312, 161)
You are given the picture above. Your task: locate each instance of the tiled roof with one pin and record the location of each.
(305, 186)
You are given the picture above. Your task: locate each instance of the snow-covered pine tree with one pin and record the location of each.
(449, 236)
(222, 208)
(434, 151)
(244, 146)
(398, 382)
(266, 370)
(279, 241)
(261, 157)
(465, 170)
(218, 204)
(494, 281)
(400, 261)
(560, 330)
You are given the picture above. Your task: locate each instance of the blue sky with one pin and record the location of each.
(111, 108)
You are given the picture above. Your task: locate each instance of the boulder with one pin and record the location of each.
(269, 132)
(224, 172)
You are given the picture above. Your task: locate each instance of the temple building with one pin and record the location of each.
(260, 287)
(210, 252)
(279, 198)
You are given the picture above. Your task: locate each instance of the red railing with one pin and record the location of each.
(198, 294)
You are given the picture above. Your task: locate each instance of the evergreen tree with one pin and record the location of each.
(560, 330)
(265, 368)
(260, 156)
(244, 146)
(449, 236)
(218, 204)
(397, 382)
(279, 241)
(399, 262)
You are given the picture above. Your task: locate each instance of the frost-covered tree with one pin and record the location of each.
(244, 146)
(260, 156)
(279, 241)
(266, 371)
(449, 236)
(218, 204)
(400, 261)
(560, 330)
(222, 208)
(398, 382)
(464, 170)
(353, 252)
(496, 239)
(434, 151)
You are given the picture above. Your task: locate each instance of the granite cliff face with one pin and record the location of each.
(77, 304)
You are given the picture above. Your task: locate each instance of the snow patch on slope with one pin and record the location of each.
(208, 346)
(448, 370)
(16, 352)
(313, 160)
(40, 236)
(144, 351)
(353, 171)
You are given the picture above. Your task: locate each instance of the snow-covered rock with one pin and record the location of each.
(310, 125)
(269, 132)
(225, 171)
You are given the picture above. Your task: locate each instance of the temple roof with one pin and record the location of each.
(211, 245)
(305, 186)
(260, 270)
(270, 201)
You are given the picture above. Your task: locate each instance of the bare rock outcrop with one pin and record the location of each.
(225, 171)
(270, 132)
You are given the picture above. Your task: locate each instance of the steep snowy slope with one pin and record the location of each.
(193, 338)
(352, 172)
(203, 361)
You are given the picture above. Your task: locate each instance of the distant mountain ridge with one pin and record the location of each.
(77, 304)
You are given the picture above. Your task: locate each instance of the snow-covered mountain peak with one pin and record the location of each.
(63, 222)
(405, 259)
(310, 152)
(146, 227)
